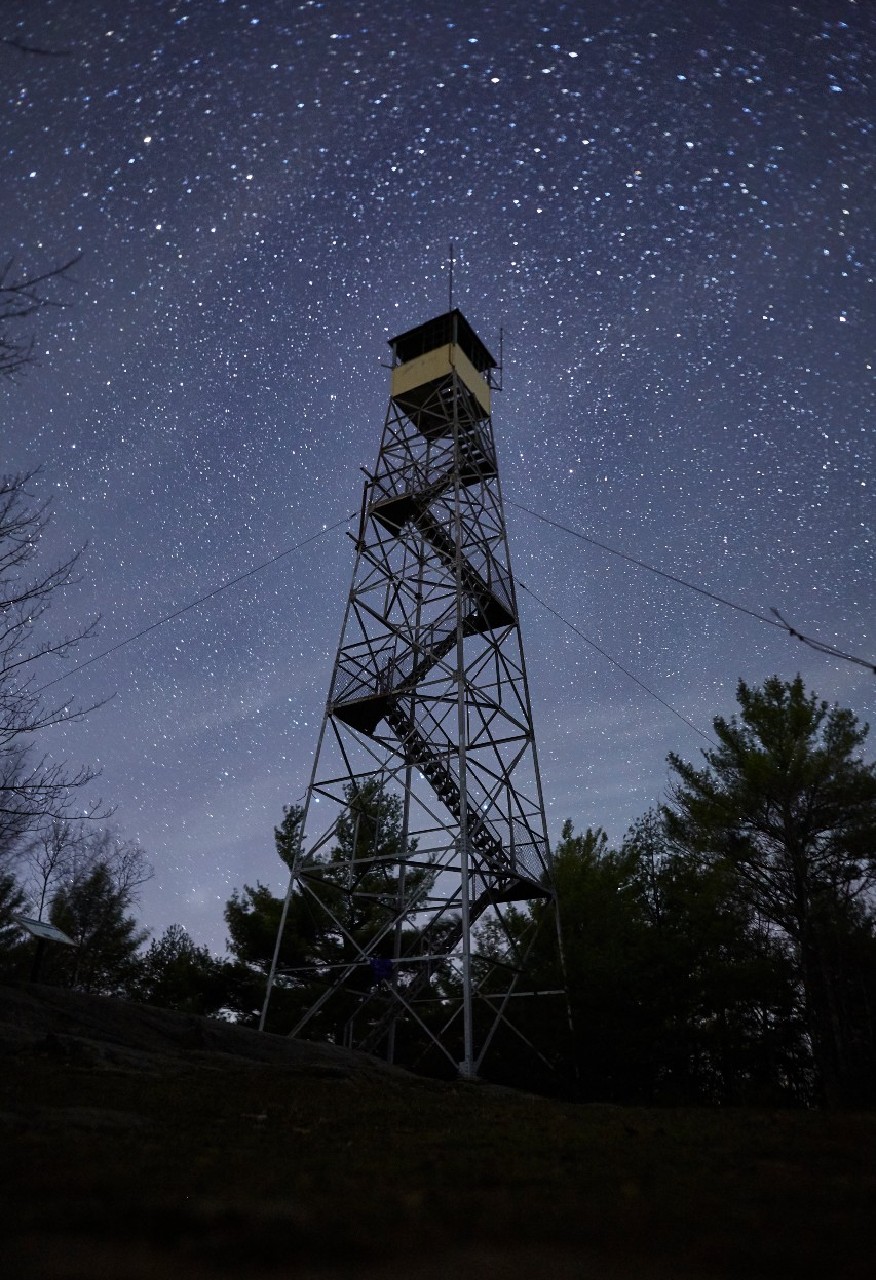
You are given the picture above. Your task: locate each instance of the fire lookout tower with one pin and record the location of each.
(424, 815)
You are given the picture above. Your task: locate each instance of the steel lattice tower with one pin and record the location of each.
(428, 731)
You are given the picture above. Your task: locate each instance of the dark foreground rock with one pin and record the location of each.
(135, 1142)
(100, 1030)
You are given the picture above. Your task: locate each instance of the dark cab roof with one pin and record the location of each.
(452, 326)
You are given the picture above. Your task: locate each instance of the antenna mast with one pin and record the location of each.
(450, 274)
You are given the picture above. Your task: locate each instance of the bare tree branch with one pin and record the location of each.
(33, 787)
(21, 296)
(15, 43)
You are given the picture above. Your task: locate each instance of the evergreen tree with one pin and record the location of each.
(339, 904)
(176, 973)
(607, 1056)
(719, 985)
(253, 916)
(93, 911)
(358, 886)
(13, 947)
(788, 805)
(677, 993)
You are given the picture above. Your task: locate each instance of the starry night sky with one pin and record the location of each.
(668, 205)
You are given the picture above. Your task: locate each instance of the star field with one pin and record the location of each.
(667, 207)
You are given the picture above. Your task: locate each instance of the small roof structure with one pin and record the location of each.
(452, 326)
(42, 929)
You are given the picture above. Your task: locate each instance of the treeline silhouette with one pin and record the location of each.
(724, 953)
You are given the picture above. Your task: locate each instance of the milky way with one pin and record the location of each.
(668, 209)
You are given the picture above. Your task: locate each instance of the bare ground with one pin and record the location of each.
(135, 1142)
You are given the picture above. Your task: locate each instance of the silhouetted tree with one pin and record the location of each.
(718, 983)
(22, 296)
(94, 913)
(604, 931)
(253, 916)
(339, 903)
(13, 947)
(33, 788)
(92, 904)
(49, 859)
(176, 973)
(677, 992)
(789, 806)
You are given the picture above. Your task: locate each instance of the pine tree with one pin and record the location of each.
(789, 806)
(93, 911)
(339, 903)
(176, 973)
